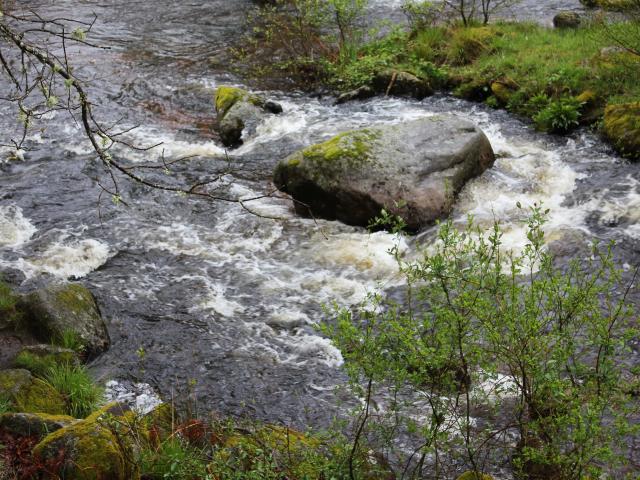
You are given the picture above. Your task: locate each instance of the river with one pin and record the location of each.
(209, 298)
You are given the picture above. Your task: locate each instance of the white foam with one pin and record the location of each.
(15, 228)
(67, 259)
(217, 300)
(140, 397)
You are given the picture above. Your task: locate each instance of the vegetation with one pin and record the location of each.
(537, 348)
(81, 394)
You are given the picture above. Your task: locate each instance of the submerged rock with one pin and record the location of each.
(57, 311)
(622, 128)
(92, 449)
(413, 170)
(361, 93)
(239, 112)
(28, 394)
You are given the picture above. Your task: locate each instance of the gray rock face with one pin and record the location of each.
(57, 310)
(413, 170)
(40, 424)
(401, 84)
(239, 113)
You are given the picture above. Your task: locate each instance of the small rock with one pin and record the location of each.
(361, 93)
(504, 89)
(567, 20)
(239, 113)
(401, 84)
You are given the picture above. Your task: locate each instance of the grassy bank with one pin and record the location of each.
(559, 78)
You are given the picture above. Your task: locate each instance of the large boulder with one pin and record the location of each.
(239, 113)
(25, 393)
(413, 170)
(93, 448)
(622, 128)
(59, 311)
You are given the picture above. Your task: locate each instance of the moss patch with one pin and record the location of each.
(354, 146)
(622, 128)
(40, 397)
(474, 476)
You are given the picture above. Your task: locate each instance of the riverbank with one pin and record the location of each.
(582, 72)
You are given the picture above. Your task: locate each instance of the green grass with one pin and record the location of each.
(69, 339)
(544, 68)
(82, 395)
(173, 459)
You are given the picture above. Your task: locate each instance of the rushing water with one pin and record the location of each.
(212, 293)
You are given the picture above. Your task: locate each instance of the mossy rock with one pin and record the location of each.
(31, 395)
(412, 170)
(474, 476)
(239, 112)
(622, 128)
(93, 450)
(592, 108)
(401, 84)
(29, 424)
(61, 310)
(504, 89)
(38, 359)
(10, 315)
(567, 20)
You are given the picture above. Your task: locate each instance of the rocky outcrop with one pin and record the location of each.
(622, 128)
(413, 170)
(68, 309)
(567, 20)
(39, 359)
(92, 447)
(28, 394)
(239, 113)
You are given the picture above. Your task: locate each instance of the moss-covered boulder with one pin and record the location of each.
(567, 19)
(239, 113)
(413, 170)
(28, 424)
(622, 128)
(59, 311)
(97, 448)
(38, 359)
(401, 84)
(26, 393)
(591, 107)
(10, 316)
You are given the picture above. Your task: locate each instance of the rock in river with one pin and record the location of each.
(412, 169)
(239, 112)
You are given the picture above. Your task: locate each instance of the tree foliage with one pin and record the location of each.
(494, 355)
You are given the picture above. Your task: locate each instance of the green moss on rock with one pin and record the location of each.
(93, 450)
(354, 146)
(227, 97)
(28, 424)
(28, 394)
(475, 476)
(38, 359)
(622, 128)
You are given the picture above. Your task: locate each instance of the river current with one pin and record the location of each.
(209, 298)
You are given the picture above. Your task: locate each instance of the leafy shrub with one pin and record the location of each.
(560, 116)
(421, 14)
(81, 394)
(537, 347)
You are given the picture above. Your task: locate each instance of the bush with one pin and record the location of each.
(81, 394)
(536, 347)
